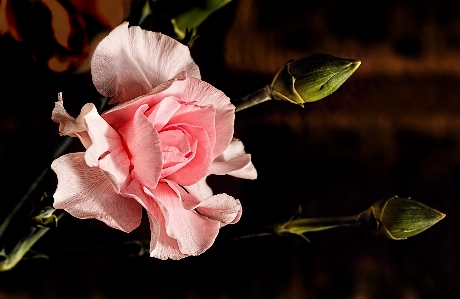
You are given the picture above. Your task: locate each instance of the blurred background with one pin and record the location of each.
(392, 129)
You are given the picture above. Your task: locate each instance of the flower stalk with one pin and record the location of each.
(395, 218)
(22, 247)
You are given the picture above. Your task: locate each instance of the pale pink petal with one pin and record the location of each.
(220, 207)
(162, 246)
(121, 113)
(194, 233)
(106, 150)
(165, 247)
(205, 94)
(200, 190)
(224, 167)
(130, 62)
(235, 162)
(196, 168)
(248, 172)
(85, 192)
(143, 143)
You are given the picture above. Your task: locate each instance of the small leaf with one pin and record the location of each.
(194, 17)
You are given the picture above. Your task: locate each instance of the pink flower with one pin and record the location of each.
(154, 149)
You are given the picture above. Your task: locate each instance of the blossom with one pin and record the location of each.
(154, 149)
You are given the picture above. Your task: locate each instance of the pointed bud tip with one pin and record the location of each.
(312, 78)
(398, 218)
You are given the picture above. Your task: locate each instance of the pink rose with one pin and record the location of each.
(154, 149)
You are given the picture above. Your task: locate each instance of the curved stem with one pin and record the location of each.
(259, 96)
(22, 247)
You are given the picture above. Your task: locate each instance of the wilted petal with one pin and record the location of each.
(85, 192)
(235, 162)
(130, 62)
(69, 126)
(205, 94)
(143, 143)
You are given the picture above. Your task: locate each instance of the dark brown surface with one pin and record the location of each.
(392, 128)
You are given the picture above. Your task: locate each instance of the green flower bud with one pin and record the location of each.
(399, 218)
(311, 78)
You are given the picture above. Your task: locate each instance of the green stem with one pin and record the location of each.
(22, 247)
(305, 225)
(257, 97)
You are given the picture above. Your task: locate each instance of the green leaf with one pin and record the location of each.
(194, 17)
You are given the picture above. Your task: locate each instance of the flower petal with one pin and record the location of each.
(221, 207)
(235, 162)
(194, 233)
(143, 143)
(130, 62)
(205, 94)
(106, 151)
(162, 112)
(69, 126)
(200, 190)
(203, 117)
(162, 246)
(85, 192)
(198, 166)
(121, 113)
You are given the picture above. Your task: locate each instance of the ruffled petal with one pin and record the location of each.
(203, 94)
(121, 113)
(162, 246)
(85, 192)
(130, 62)
(143, 143)
(235, 162)
(106, 151)
(194, 233)
(69, 126)
(221, 207)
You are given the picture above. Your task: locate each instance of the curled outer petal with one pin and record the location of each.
(69, 126)
(235, 162)
(85, 192)
(131, 62)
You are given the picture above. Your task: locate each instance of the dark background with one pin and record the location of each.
(392, 128)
